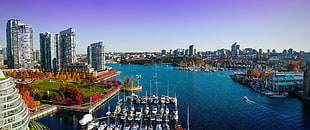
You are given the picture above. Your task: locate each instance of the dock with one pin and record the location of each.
(37, 115)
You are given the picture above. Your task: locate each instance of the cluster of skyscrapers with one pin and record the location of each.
(57, 51)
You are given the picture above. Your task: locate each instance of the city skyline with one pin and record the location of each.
(139, 25)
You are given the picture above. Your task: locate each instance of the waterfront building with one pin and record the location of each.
(19, 45)
(65, 45)
(192, 50)
(48, 51)
(95, 56)
(286, 81)
(14, 114)
(306, 85)
(235, 48)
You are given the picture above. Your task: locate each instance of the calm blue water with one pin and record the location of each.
(214, 100)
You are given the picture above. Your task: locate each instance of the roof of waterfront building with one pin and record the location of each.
(282, 78)
(284, 83)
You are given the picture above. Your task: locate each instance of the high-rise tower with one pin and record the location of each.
(48, 51)
(66, 42)
(19, 45)
(95, 56)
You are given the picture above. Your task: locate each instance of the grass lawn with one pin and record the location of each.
(53, 86)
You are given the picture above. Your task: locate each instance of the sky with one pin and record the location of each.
(153, 25)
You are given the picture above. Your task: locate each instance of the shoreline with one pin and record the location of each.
(48, 109)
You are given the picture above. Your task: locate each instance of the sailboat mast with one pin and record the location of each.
(187, 118)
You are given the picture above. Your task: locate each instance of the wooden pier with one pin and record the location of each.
(42, 113)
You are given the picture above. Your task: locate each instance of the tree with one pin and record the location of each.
(131, 80)
(50, 75)
(29, 101)
(126, 79)
(57, 99)
(255, 73)
(57, 76)
(67, 100)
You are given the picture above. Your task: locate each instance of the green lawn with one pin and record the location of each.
(53, 86)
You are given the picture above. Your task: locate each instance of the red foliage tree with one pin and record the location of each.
(57, 99)
(29, 101)
(95, 97)
(67, 100)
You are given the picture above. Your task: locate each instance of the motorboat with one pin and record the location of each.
(159, 127)
(86, 118)
(245, 98)
(93, 124)
(103, 125)
(280, 95)
(154, 110)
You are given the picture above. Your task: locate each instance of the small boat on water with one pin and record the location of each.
(86, 118)
(245, 98)
(93, 124)
(103, 125)
(280, 95)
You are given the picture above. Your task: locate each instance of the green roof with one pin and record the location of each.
(284, 83)
(282, 78)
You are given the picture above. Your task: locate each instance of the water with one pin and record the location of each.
(214, 100)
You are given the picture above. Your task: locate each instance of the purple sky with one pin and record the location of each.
(152, 25)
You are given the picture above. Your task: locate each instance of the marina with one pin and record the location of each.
(138, 112)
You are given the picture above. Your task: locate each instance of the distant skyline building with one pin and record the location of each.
(235, 49)
(192, 50)
(163, 52)
(66, 47)
(48, 51)
(19, 45)
(95, 56)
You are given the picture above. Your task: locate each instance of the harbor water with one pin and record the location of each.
(214, 101)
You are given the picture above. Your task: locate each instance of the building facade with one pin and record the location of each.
(306, 85)
(192, 50)
(235, 48)
(95, 56)
(14, 113)
(66, 43)
(48, 51)
(19, 45)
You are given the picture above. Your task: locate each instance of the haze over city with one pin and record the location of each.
(152, 25)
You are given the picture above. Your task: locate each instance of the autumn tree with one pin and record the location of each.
(255, 73)
(57, 99)
(126, 79)
(29, 101)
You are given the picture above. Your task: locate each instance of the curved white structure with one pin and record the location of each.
(14, 114)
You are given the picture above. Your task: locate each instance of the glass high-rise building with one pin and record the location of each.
(95, 56)
(48, 51)
(65, 44)
(19, 45)
(14, 114)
